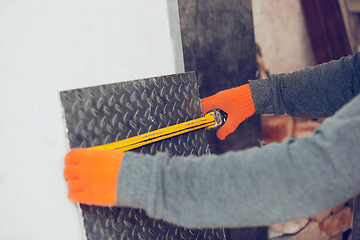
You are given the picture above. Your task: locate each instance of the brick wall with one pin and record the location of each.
(279, 26)
(333, 224)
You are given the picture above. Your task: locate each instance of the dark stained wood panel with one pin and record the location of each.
(326, 29)
(218, 44)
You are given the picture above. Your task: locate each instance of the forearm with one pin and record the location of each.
(312, 92)
(279, 182)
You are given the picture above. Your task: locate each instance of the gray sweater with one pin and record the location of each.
(262, 186)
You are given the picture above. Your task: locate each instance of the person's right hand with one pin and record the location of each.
(236, 102)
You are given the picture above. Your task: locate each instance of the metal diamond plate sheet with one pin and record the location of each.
(108, 113)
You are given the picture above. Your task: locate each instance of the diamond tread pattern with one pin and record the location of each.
(107, 113)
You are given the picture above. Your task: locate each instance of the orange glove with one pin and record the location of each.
(236, 102)
(92, 175)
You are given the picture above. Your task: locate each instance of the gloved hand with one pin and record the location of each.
(92, 175)
(236, 102)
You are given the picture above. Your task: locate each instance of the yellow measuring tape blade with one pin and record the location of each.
(208, 121)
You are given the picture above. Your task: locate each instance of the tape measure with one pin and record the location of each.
(212, 119)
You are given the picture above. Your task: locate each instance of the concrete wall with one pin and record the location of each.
(49, 46)
(281, 33)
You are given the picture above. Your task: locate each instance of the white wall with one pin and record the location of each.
(281, 32)
(47, 46)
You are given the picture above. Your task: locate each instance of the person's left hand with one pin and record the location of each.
(92, 175)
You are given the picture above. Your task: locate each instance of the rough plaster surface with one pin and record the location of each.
(50, 46)
(280, 31)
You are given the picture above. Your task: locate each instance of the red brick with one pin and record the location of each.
(338, 208)
(337, 237)
(350, 202)
(276, 128)
(305, 127)
(311, 232)
(290, 227)
(337, 223)
(321, 216)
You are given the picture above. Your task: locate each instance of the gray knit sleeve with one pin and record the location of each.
(258, 186)
(312, 92)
